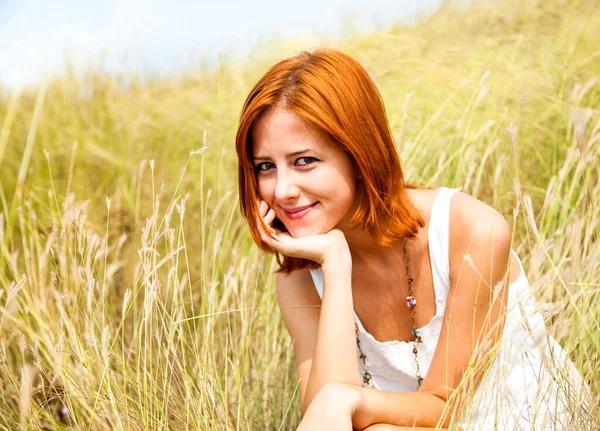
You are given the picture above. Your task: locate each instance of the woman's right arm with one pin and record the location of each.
(324, 339)
(324, 342)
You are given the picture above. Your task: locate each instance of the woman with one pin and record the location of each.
(405, 304)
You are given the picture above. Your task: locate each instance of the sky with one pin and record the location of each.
(153, 36)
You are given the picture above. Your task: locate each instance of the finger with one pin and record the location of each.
(262, 207)
(269, 217)
(267, 234)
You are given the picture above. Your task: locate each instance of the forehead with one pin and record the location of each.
(284, 130)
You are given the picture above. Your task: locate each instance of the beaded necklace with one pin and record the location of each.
(411, 303)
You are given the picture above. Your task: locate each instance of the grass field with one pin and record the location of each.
(131, 295)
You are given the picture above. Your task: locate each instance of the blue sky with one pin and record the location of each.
(165, 37)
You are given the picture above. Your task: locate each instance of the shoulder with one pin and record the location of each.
(480, 237)
(474, 222)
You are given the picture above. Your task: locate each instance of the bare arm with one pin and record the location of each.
(335, 349)
(333, 354)
(324, 346)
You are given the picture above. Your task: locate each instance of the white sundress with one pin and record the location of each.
(531, 383)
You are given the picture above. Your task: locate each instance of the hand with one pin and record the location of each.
(318, 248)
(331, 409)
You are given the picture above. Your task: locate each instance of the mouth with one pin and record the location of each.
(298, 212)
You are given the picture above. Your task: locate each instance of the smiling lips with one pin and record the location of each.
(298, 212)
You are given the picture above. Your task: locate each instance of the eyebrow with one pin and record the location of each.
(290, 155)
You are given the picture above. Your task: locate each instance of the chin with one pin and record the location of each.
(302, 231)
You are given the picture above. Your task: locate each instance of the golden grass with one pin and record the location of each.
(131, 296)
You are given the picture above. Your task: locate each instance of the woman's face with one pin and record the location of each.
(310, 183)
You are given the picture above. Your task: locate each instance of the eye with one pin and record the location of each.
(306, 161)
(264, 166)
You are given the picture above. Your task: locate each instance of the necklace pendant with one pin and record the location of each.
(411, 302)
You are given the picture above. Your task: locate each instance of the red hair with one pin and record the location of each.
(334, 93)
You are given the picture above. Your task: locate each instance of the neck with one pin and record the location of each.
(365, 250)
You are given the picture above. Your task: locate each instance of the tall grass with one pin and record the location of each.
(131, 296)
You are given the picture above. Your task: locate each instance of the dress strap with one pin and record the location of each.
(439, 242)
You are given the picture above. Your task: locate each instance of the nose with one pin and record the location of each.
(286, 187)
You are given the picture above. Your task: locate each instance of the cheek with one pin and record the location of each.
(265, 190)
(345, 191)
